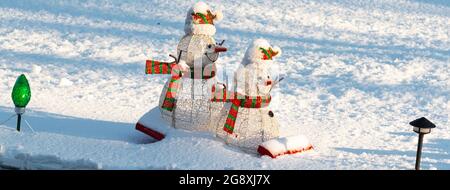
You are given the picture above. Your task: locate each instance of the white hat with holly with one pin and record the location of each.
(200, 19)
(261, 52)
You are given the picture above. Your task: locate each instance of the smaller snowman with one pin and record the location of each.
(246, 120)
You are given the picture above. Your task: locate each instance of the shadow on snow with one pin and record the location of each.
(73, 126)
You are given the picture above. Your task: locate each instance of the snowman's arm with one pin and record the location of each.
(221, 43)
(276, 82)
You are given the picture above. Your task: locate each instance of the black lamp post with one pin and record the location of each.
(421, 126)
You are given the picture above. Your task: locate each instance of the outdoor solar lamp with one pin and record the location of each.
(421, 126)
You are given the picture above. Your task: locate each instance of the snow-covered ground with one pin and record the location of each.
(356, 73)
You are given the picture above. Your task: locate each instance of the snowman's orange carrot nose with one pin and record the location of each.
(218, 49)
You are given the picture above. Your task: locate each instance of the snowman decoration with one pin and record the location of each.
(184, 102)
(246, 120)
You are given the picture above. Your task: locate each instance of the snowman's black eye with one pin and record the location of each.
(209, 46)
(268, 77)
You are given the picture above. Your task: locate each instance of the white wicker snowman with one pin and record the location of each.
(247, 122)
(184, 102)
(197, 51)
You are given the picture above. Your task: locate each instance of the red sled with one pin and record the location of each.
(150, 132)
(153, 125)
(284, 146)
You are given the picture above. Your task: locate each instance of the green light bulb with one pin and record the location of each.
(21, 93)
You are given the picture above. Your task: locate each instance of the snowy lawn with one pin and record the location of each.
(356, 74)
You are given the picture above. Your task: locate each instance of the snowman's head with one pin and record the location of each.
(200, 19)
(212, 51)
(261, 52)
(254, 75)
(254, 80)
(204, 52)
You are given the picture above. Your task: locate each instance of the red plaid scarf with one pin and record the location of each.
(156, 67)
(237, 101)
